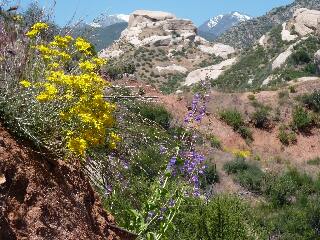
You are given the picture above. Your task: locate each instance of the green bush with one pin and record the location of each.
(222, 217)
(234, 119)
(312, 101)
(301, 57)
(247, 174)
(314, 161)
(260, 117)
(154, 113)
(301, 119)
(215, 142)
(286, 135)
(210, 176)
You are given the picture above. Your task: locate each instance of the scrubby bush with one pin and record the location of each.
(301, 119)
(223, 217)
(210, 176)
(286, 135)
(215, 142)
(261, 117)
(154, 112)
(312, 101)
(301, 57)
(247, 174)
(234, 119)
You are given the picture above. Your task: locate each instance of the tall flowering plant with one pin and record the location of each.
(70, 81)
(179, 179)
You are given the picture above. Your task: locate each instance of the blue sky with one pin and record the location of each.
(196, 10)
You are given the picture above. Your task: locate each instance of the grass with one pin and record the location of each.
(314, 161)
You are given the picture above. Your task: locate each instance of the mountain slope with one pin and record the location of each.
(217, 25)
(245, 34)
(101, 36)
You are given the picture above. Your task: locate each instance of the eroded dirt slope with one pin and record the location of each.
(42, 199)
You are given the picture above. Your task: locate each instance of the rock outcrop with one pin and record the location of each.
(157, 28)
(305, 21)
(211, 72)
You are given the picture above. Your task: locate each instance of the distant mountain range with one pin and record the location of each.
(245, 34)
(108, 20)
(217, 25)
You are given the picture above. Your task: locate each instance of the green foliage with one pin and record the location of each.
(312, 100)
(223, 217)
(300, 57)
(215, 142)
(286, 135)
(156, 113)
(234, 119)
(116, 70)
(172, 84)
(261, 116)
(211, 176)
(301, 119)
(315, 161)
(247, 174)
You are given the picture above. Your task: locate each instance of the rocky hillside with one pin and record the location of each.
(215, 26)
(245, 34)
(286, 53)
(164, 50)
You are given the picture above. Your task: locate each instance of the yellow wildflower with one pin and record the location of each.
(77, 145)
(87, 66)
(241, 153)
(36, 29)
(25, 83)
(61, 42)
(83, 46)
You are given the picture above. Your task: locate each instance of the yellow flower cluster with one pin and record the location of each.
(36, 29)
(241, 153)
(83, 46)
(85, 113)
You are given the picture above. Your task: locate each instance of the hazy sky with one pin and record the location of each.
(196, 10)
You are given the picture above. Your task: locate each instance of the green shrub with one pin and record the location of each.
(210, 176)
(215, 142)
(236, 166)
(233, 118)
(247, 174)
(222, 217)
(301, 57)
(154, 113)
(301, 119)
(315, 161)
(261, 117)
(312, 101)
(286, 135)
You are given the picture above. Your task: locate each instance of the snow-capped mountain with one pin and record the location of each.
(108, 20)
(217, 25)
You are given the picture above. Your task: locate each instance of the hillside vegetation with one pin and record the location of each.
(213, 161)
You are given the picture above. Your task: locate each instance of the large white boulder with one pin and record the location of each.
(211, 72)
(305, 21)
(145, 16)
(218, 49)
(171, 69)
(286, 34)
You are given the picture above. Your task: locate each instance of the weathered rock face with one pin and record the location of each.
(306, 21)
(157, 28)
(144, 16)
